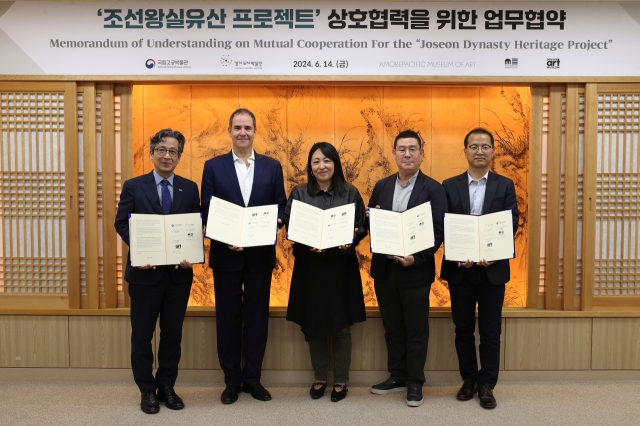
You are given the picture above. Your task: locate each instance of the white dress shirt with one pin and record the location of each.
(245, 175)
(477, 188)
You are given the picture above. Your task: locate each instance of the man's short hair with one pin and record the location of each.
(241, 111)
(478, 131)
(167, 133)
(405, 134)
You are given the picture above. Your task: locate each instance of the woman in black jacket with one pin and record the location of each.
(326, 297)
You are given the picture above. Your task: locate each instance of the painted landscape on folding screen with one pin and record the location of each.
(361, 122)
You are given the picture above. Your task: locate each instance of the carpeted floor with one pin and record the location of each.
(519, 403)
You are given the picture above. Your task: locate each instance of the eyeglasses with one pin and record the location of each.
(412, 151)
(485, 148)
(163, 151)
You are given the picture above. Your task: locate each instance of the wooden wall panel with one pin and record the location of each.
(286, 347)
(123, 148)
(554, 156)
(99, 342)
(528, 344)
(569, 255)
(108, 186)
(616, 270)
(39, 194)
(589, 195)
(548, 344)
(130, 103)
(368, 350)
(90, 198)
(199, 348)
(72, 222)
(442, 350)
(535, 193)
(616, 344)
(34, 341)
(34, 301)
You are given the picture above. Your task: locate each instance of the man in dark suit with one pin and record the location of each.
(242, 276)
(478, 191)
(403, 284)
(154, 289)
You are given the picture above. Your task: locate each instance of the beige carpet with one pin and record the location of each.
(519, 403)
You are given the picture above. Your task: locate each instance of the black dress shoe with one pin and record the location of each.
(170, 399)
(149, 403)
(486, 397)
(467, 390)
(339, 395)
(230, 394)
(390, 385)
(319, 392)
(257, 391)
(414, 396)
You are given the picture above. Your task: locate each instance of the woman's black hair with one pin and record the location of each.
(331, 153)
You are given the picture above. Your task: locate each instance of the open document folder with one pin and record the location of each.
(321, 229)
(165, 239)
(242, 226)
(401, 234)
(488, 237)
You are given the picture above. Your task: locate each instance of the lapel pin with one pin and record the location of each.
(179, 189)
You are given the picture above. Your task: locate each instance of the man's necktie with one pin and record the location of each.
(166, 197)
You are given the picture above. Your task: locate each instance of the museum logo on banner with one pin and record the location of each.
(553, 63)
(226, 61)
(167, 63)
(511, 63)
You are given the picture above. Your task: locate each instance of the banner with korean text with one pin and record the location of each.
(544, 39)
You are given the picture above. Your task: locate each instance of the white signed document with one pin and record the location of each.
(165, 239)
(321, 229)
(488, 237)
(401, 234)
(242, 226)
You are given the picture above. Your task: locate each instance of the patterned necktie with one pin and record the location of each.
(166, 197)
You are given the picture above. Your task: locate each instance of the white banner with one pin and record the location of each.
(544, 39)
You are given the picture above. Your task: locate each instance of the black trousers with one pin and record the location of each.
(169, 300)
(242, 323)
(476, 288)
(405, 317)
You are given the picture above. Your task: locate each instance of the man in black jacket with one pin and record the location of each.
(476, 192)
(158, 290)
(403, 284)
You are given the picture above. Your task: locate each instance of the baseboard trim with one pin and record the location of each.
(300, 377)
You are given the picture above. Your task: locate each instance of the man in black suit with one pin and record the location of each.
(403, 284)
(242, 276)
(154, 289)
(478, 191)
